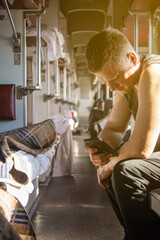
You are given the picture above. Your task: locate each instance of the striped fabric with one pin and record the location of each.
(19, 217)
(15, 214)
(34, 139)
(7, 231)
(5, 170)
(20, 221)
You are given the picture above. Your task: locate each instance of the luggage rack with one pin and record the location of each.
(25, 91)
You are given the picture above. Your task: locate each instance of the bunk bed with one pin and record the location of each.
(30, 156)
(25, 154)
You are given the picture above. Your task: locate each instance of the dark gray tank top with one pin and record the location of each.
(131, 97)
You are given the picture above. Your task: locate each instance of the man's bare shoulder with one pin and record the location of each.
(150, 79)
(152, 73)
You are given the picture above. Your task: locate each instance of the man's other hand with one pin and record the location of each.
(98, 159)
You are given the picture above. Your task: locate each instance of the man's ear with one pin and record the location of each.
(132, 57)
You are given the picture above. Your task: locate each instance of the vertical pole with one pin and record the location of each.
(48, 85)
(102, 94)
(150, 35)
(69, 88)
(108, 97)
(24, 71)
(99, 89)
(38, 56)
(65, 82)
(106, 91)
(72, 79)
(136, 33)
(56, 87)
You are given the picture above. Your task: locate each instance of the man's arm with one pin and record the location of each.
(147, 124)
(117, 123)
(113, 131)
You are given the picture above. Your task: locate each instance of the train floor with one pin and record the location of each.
(75, 207)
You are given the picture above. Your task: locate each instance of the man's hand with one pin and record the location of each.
(105, 164)
(105, 171)
(98, 159)
(102, 174)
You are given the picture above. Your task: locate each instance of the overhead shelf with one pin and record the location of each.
(81, 58)
(81, 38)
(22, 4)
(85, 20)
(67, 5)
(80, 50)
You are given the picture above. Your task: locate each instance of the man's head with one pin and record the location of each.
(109, 54)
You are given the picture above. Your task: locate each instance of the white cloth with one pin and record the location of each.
(54, 40)
(33, 166)
(64, 160)
(21, 193)
(29, 164)
(61, 123)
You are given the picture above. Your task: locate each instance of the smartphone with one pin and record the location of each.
(102, 146)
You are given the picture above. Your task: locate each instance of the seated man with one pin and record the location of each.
(130, 176)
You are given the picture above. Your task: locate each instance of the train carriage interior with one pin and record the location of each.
(48, 185)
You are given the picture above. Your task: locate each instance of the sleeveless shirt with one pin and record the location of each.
(131, 98)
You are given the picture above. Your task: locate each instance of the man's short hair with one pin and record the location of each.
(105, 46)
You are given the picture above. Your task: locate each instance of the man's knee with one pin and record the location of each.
(131, 176)
(137, 168)
(121, 168)
(126, 171)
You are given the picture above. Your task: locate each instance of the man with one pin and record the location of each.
(129, 177)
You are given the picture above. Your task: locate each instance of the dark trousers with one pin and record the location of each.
(129, 192)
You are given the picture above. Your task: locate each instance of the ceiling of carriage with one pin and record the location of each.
(87, 17)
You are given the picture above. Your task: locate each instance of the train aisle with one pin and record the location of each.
(76, 207)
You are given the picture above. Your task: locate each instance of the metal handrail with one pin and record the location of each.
(10, 18)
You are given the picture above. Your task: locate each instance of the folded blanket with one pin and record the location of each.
(6, 230)
(34, 139)
(15, 214)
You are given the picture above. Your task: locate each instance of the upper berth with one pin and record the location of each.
(23, 4)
